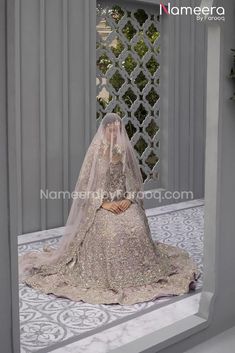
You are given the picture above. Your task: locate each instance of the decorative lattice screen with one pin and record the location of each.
(128, 76)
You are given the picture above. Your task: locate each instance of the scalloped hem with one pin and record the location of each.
(174, 285)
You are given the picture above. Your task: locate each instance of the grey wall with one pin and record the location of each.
(224, 309)
(224, 342)
(53, 68)
(9, 298)
(5, 293)
(50, 112)
(183, 103)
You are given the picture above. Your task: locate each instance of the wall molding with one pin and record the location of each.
(42, 113)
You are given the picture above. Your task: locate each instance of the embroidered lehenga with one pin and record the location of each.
(106, 257)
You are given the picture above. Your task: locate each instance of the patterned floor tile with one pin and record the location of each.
(45, 319)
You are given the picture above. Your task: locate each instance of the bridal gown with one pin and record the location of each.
(118, 261)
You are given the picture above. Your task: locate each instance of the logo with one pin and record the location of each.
(213, 13)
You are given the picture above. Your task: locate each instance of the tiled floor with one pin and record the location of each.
(116, 337)
(46, 320)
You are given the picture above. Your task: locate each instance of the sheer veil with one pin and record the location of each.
(110, 145)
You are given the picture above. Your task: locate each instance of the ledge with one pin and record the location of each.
(156, 329)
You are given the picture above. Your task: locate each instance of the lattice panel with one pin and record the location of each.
(128, 76)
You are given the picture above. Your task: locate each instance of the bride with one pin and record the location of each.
(106, 254)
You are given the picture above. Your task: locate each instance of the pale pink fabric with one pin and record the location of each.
(110, 142)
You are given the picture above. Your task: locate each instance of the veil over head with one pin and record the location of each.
(110, 145)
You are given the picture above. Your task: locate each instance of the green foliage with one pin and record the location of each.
(129, 63)
(144, 42)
